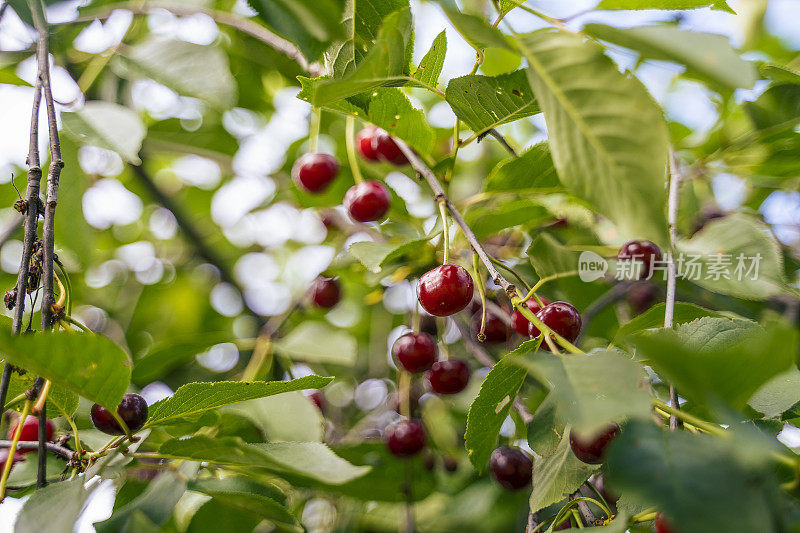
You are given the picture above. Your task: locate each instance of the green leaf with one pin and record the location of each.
(741, 248)
(558, 475)
(475, 30)
(532, 169)
(214, 516)
(544, 429)
(107, 125)
(707, 56)
(290, 416)
(654, 318)
(777, 395)
(550, 257)
(194, 398)
(498, 213)
(77, 236)
(484, 102)
(701, 483)
(172, 353)
(386, 63)
(430, 67)
(778, 107)
(93, 366)
(302, 344)
(249, 497)
(8, 77)
(722, 5)
(374, 255)
(310, 24)
(490, 408)
(54, 508)
(186, 68)
(310, 460)
(609, 146)
(391, 110)
(713, 359)
(591, 390)
(362, 22)
(781, 73)
(58, 395)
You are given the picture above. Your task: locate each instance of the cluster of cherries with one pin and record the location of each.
(367, 201)
(132, 410)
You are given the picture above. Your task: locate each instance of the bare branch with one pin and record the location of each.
(672, 220)
(55, 449)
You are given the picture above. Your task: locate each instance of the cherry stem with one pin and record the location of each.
(67, 283)
(70, 320)
(645, 516)
(699, 423)
(404, 383)
(513, 272)
(445, 233)
(26, 409)
(482, 293)
(350, 125)
(313, 134)
(415, 318)
(538, 285)
(36, 409)
(73, 427)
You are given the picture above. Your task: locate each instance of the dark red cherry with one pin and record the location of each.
(644, 252)
(314, 171)
(387, 149)
(592, 448)
(445, 290)
(511, 468)
(325, 292)
(521, 323)
(318, 399)
(427, 324)
(30, 431)
(663, 525)
(641, 296)
(416, 352)
(449, 377)
(495, 330)
(405, 438)
(562, 318)
(367, 201)
(364, 143)
(132, 410)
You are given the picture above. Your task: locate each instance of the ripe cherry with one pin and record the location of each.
(325, 292)
(364, 143)
(663, 525)
(314, 171)
(645, 253)
(416, 352)
(511, 468)
(496, 331)
(132, 410)
(405, 438)
(592, 448)
(387, 149)
(449, 377)
(30, 431)
(562, 318)
(521, 323)
(641, 296)
(367, 201)
(445, 290)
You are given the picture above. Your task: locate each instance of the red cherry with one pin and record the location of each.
(132, 410)
(495, 330)
(318, 399)
(30, 431)
(387, 149)
(449, 377)
(325, 292)
(405, 438)
(663, 525)
(445, 290)
(644, 252)
(641, 296)
(416, 352)
(592, 448)
(511, 468)
(314, 171)
(562, 318)
(367, 201)
(364, 143)
(521, 323)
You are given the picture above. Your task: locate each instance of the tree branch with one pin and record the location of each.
(55, 449)
(242, 24)
(672, 220)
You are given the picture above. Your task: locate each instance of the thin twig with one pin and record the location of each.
(615, 293)
(586, 513)
(244, 25)
(55, 449)
(669, 309)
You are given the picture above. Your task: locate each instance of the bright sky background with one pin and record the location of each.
(272, 289)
